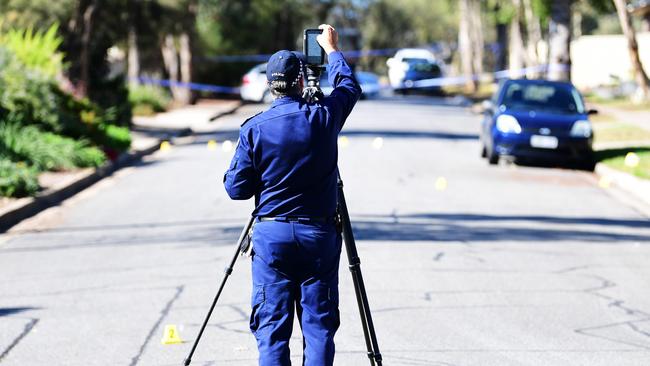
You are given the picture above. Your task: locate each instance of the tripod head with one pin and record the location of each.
(312, 92)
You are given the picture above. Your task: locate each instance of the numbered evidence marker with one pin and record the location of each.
(605, 181)
(377, 143)
(441, 184)
(212, 145)
(344, 141)
(226, 146)
(170, 335)
(165, 146)
(632, 160)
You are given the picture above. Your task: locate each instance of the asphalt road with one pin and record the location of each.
(465, 264)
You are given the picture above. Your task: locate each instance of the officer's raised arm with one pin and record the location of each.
(346, 88)
(241, 180)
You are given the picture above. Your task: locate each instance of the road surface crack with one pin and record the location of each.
(28, 328)
(163, 314)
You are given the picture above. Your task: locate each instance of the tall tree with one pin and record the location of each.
(465, 33)
(560, 40)
(517, 53)
(133, 61)
(640, 76)
(534, 32)
(478, 41)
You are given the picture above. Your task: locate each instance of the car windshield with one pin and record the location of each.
(422, 65)
(543, 97)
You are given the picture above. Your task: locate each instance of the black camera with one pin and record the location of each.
(314, 53)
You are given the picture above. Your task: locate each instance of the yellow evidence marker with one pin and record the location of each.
(212, 145)
(632, 160)
(377, 143)
(226, 146)
(344, 141)
(171, 336)
(165, 146)
(605, 182)
(441, 184)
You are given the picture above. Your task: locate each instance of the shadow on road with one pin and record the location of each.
(409, 134)
(233, 135)
(12, 311)
(432, 227)
(492, 228)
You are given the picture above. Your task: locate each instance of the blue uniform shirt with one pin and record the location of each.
(287, 155)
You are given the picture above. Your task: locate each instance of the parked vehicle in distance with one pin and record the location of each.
(369, 82)
(254, 87)
(537, 119)
(410, 65)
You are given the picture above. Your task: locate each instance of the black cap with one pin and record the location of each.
(285, 66)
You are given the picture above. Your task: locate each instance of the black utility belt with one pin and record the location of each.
(299, 219)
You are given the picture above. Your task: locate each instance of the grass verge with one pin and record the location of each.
(615, 158)
(621, 103)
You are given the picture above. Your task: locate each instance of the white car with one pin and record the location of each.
(412, 64)
(254, 87)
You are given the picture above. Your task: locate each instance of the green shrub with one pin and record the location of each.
(31, 97)
(36, 50)
(27, 95)
(45, 150)
(148, 99)
(115, 137)
(17, 179)
(112, 97)
(89, 156)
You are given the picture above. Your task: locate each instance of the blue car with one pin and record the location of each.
(537, 119)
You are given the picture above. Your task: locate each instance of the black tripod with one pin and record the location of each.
(359, 288)
(313, 92)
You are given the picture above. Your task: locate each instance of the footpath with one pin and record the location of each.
(148, 135)
(638, 189)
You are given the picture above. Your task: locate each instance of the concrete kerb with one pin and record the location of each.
(22, 209)
(637, 189)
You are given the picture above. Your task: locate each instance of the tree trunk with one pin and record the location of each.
(517, 55)
(534, 30)
(560, 40)
(84, 57)
(478, 42)
(185, 53)
(465, 46)
(633, 48)
(170, 59)
(133, 67)
(133, 61)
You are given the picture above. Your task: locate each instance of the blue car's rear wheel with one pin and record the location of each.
(492, 156)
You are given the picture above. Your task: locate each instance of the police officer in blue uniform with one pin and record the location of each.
(287, 159)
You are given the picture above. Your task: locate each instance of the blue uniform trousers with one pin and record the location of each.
(295, 267)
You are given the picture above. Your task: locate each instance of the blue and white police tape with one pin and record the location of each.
(265, 57)
(460, 80)
(408, 84)
(192, 86)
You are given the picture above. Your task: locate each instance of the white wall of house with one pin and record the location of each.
(595, 59)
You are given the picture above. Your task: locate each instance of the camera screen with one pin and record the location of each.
(314, 55)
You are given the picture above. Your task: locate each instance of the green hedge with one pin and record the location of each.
(148, 99)
(42, 126)
(45, 150)
(31, 96)
(17, 179)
